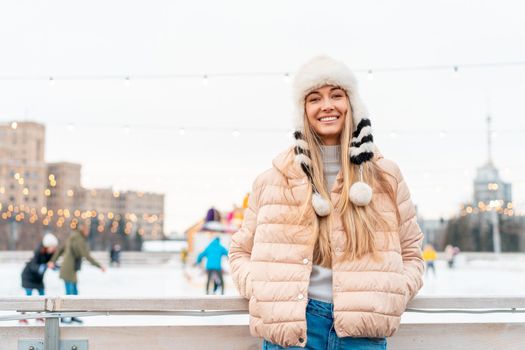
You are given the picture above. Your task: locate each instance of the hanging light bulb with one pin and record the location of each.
(14, 125)
(182, 132)
(442, 135)
(127, 129)
(51, 81)
(127, 81)
(236, 133)
(205, 80)
(370, 75)
(286, 78)
(71, 127)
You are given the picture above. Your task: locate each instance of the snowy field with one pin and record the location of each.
(475, 278)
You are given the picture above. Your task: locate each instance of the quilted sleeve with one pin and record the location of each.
(410, 237)
(242, 243)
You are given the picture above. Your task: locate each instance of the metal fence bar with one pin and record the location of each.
(52, 334)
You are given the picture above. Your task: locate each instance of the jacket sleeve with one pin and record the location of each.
(410, 237)
(241, 246)
(85, 253)
(58, 253)
(202, 255)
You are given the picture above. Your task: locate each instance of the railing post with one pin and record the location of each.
(52, 334)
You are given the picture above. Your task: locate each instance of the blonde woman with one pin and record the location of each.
(329, 253)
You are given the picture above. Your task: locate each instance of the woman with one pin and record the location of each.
(33, 273)
(329, 253)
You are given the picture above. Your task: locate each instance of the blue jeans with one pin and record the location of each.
(29, 291)
(321, 333)
(71, 288)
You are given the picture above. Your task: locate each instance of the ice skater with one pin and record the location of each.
(34, 270)
(75, 249)
(430, 256)
(213, 254)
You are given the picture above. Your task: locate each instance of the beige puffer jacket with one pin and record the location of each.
(271, 260)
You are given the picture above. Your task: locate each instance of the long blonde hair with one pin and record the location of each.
(359, 223)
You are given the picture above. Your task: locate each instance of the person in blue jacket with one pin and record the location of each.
(213, 254)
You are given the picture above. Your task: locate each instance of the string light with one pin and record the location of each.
(286, 78)
(127, 81)
(205, 80)
(183, 130)
(455, 70)
(370, 75)
(63, 215)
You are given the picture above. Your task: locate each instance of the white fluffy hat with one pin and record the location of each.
(49, 240)
(321, 71)
(318, 72)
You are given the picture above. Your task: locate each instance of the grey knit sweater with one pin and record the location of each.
(321, 278)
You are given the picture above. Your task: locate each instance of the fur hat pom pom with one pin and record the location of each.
(360, 194)
(320, 204)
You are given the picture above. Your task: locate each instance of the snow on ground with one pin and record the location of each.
(476, 278)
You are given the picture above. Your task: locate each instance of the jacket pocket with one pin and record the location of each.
(406, 290)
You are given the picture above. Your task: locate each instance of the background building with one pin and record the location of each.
(22, 166)
(489, 189)
(488, 223)
(63, 186)
(34, 192)
(145, 211)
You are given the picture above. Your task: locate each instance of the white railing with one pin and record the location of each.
(411, 336)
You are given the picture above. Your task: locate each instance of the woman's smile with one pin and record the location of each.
(328, 118)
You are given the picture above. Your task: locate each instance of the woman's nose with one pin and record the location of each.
(327, 105)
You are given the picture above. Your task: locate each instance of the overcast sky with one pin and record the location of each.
(431, 122)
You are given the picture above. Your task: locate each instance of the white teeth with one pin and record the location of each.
(324, 119)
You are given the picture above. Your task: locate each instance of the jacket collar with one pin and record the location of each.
(285, 163)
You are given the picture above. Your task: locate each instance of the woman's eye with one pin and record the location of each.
(337, 96)
(314, 99)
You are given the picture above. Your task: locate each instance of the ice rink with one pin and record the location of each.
(475, 278)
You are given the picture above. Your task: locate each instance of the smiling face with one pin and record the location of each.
(326, 109)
